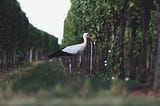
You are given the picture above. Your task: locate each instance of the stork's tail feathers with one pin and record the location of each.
(58, 53)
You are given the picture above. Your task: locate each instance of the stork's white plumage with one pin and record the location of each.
(71, 50)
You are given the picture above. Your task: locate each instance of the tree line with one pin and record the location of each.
(20, 41)
(126, 36)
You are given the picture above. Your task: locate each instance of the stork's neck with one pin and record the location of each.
(85, 41)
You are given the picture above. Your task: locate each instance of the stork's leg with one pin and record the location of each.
(70, 66)
(79, 63)
(60, 61)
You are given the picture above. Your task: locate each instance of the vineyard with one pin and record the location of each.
(120, 68)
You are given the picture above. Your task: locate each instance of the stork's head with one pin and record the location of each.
(87, 36)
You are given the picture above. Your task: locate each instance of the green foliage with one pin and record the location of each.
(42, 41)
(13, 29)
(49, 76)
(18, 36)
(40, 77)
(46, 84)
(92, 16)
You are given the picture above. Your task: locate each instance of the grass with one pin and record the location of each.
(45, 84)
(106, 100)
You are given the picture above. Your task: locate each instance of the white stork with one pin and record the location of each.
(72, 50)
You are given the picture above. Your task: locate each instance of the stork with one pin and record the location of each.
(72, 50)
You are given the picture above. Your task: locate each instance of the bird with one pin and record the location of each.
(73, 49)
